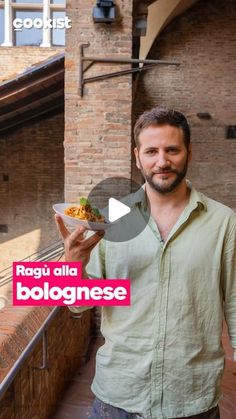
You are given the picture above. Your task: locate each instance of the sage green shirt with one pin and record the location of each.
(163, 356)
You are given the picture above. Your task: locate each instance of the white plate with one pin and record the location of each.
(76, 222)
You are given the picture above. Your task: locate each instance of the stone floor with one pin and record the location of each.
(77, 401)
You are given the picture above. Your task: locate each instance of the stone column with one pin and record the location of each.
(8, 24)
(46, 42)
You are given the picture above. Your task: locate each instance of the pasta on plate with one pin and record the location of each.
(85, 212)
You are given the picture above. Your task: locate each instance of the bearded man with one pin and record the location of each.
(163, 356)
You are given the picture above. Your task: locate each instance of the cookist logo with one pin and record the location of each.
(38, 23)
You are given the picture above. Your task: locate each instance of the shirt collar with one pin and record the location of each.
(196, 198)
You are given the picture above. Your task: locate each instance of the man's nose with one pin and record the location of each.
(163, 160)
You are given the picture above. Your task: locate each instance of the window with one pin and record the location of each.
(28, 1)
(231, 132)
(1, 25)
(3, 228)
(32, 36)
(32, 22)
(58, 36)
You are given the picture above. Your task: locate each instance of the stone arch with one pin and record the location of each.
(159, 14)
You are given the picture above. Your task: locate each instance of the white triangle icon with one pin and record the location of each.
(117, 209)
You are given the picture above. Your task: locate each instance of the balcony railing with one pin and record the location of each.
(52, 252)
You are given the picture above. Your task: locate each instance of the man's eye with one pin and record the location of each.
(173, 150)
(151, 152)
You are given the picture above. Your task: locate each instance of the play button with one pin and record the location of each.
(117, 210)
(123, 203)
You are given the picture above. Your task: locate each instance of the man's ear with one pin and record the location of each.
(136, 157)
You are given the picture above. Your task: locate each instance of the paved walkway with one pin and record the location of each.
(77, 401)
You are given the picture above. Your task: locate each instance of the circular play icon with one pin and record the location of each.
(123, 204)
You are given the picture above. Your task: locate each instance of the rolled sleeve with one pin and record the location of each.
(94, 269)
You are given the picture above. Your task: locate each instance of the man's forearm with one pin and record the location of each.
(80, 309)
(84, 273)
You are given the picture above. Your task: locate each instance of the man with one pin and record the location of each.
(163, 356)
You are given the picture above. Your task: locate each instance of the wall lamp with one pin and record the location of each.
(104, 12)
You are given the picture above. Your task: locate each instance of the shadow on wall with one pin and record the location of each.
(32, 180)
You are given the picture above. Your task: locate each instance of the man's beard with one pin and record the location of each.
(180, 175)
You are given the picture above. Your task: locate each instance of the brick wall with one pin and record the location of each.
(35, 393)
(98, 126)
(204, 41)
(14, 60)
(31, 181)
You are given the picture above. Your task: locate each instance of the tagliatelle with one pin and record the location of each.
(85, 212)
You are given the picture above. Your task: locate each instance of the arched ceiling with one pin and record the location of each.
(160, 13)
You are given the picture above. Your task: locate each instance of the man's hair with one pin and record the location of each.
(162, 116)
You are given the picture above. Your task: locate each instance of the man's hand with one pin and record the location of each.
(77, 247)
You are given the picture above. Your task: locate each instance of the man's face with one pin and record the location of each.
(162, 157)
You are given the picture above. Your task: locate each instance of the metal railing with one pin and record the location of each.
(51, 252)
(41, 333)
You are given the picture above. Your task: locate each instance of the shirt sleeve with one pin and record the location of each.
(229, 285)
(95, 269)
